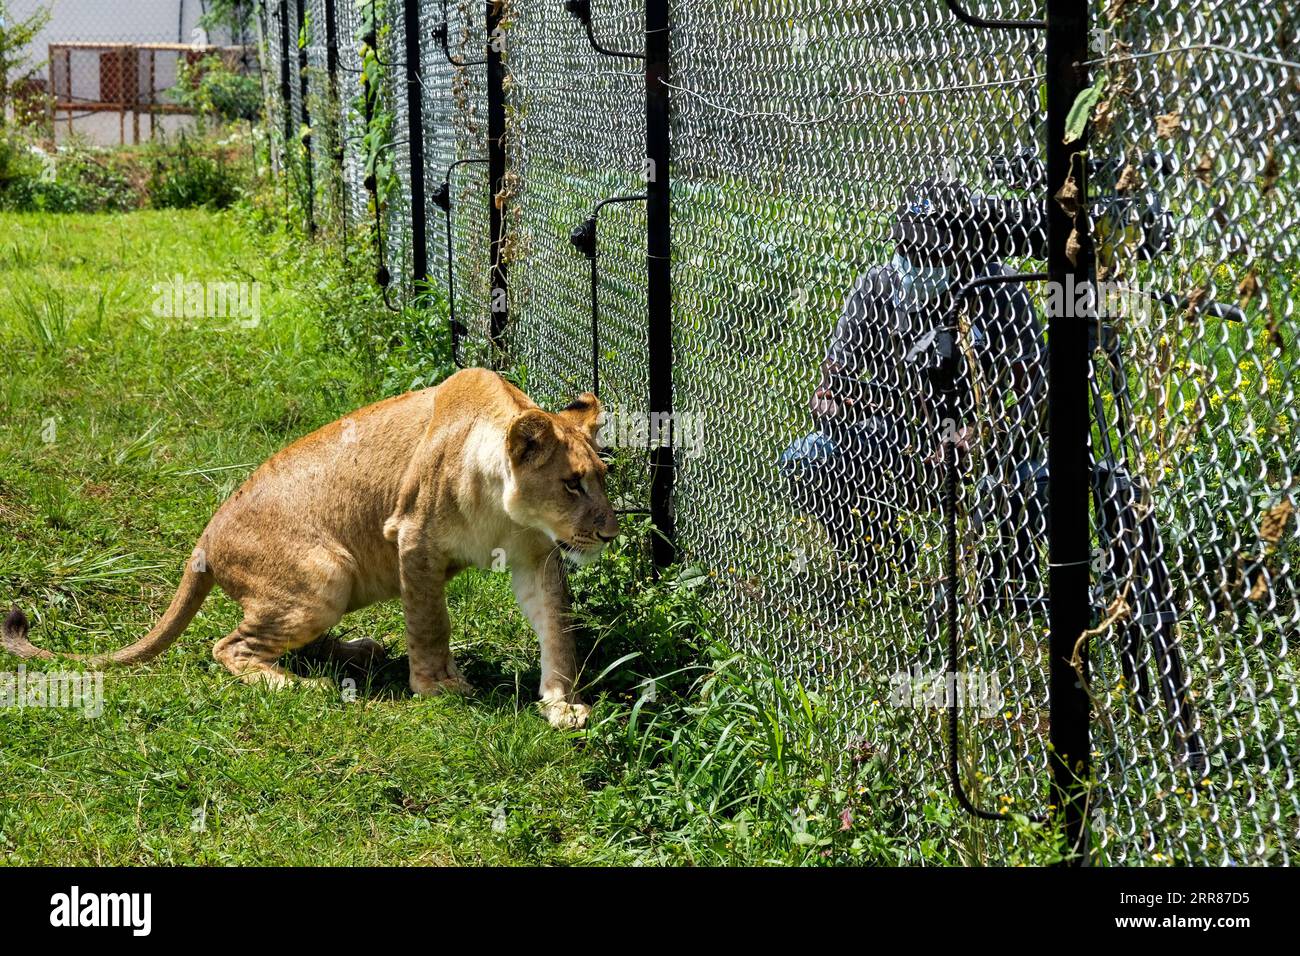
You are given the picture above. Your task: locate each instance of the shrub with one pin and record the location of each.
(213, 90)
(75, 178)
(184, 178)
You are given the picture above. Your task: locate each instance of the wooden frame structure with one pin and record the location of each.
(128, 80)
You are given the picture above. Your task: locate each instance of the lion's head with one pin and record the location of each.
(558, 480)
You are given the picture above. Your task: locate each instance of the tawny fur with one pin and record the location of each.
(393, 501)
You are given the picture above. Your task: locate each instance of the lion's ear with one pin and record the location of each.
(531, 438)
(584, 413)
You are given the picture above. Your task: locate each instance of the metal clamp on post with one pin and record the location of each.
(583, 238)
(442, 199)
(960, 13)
(441, 34)
(582, 10)
(945, 344)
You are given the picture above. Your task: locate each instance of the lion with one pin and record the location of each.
(393, 501)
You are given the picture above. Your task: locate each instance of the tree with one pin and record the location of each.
(234, 15)
(15, 63)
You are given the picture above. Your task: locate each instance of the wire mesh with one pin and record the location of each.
(325, 112)
(1195, 437)
(353, 128)
(397, 202)
(816, 499)
(842, 172)
(463, 100)
(297, 38)
(577, 138)
(283, 90)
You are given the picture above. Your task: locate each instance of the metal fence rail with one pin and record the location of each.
(885, 218)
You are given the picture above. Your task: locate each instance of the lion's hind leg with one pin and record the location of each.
(287, 604)
(252, 650)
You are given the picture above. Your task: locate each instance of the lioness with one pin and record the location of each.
(395, 500)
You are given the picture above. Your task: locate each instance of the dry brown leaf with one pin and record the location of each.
(1269, 176)
(1205, 169)
(1247, 288)
(1102, 116)
(1194, 300)
(1168, 124)
(1072, 247)
(1275, 330)
(1273, 524)
(1067, 197)
(1128, 179)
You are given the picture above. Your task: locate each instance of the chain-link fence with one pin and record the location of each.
(1194, 436)
(872, 235)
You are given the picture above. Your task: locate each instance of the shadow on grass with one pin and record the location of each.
(497, 684)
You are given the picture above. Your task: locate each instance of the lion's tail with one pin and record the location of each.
(193, 589)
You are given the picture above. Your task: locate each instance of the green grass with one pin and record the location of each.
(123, 430)
(150, 423)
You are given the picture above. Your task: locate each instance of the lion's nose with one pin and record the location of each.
(607, 537)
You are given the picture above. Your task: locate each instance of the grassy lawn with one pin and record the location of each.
(121, 431)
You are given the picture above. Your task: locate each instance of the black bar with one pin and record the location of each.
(415, 143)
(182, 894)
(286, 91)
(584, 237)
(1068, 427)
(332, 45)
(335, 104)
(303, 89)
(496, 107)
(659, 296)
(969, 18)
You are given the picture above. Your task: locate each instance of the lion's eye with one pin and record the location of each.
(574, 486)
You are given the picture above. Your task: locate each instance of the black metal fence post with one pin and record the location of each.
(286, 90)
(335, 104)
(659, 299)
(415, 141)
(1068, 423)
(496, 107)
(303, 91)
(332, 51)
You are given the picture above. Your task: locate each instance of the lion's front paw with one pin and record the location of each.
(565, 716)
